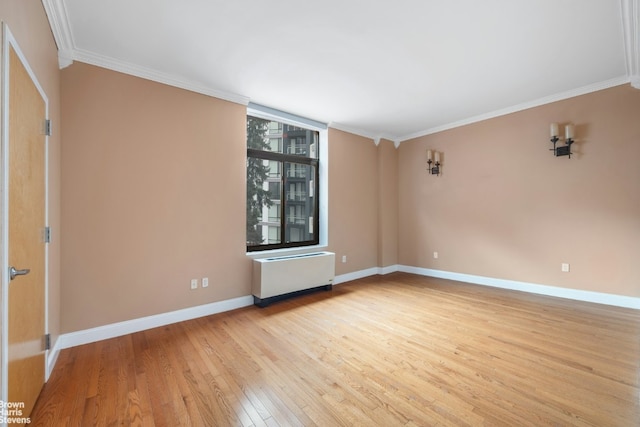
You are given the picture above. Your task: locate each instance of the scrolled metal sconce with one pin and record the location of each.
(563, 150)
(435, 161)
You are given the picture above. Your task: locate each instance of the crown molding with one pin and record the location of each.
(67, 53)
(65, 58)
(353, 130)
(62, 34)
(376, 137)
(156, 76)
(396, 143)
(631, 31)
(59, 21)
(520, 107)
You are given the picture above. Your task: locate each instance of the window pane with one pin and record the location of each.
(274, 190)
(299, 202)
(300, 142)
(257, 133)
(274, 169)
(274, 235)
(275, 144)
(275, 128)
(278, 137)
(263, 202)
(274, 213)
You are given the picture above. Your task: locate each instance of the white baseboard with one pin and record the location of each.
(355, 275)
(52, 358)
(554, 291)
(113, 330)
(342, 278)
(130, 326)
(389, 269)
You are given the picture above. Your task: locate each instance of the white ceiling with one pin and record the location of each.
(392, 69)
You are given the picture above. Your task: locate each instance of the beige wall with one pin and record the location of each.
(505, 208)
(353, 201)
(153, 196)
(28, 23)
(387, 204)
(154, 193)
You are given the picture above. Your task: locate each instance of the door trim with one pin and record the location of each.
(9, 41)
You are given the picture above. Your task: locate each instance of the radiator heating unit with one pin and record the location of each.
(280, 277)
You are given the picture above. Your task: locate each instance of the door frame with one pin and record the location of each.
(9, 41)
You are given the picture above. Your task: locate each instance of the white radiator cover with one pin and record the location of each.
(285, 274)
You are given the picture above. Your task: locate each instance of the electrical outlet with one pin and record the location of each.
(194, 284)
(205, 282)
(565, 267)
(344, 258)
(435, 255)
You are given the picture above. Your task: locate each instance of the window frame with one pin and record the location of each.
(319, 179)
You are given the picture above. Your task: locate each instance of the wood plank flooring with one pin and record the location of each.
(394, 350)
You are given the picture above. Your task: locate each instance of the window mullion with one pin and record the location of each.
(316, 202)
(270, 155)
(282, 204)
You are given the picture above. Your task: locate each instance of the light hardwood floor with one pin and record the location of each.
(395, 350)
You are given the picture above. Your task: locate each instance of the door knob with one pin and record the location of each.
(13, 272)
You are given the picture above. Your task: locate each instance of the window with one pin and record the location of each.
(282, 185)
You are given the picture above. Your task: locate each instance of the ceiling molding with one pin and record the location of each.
(59, 22)
(353, 130)
(520, 107)
(68, 52)
(631, 29)
(156, 76)
(65, 58)
(395, 143)
(360, 132)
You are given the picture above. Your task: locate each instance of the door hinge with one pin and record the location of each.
(47, 127)
(47, 341)
(47, 235)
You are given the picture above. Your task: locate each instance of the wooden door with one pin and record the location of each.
(26, 243)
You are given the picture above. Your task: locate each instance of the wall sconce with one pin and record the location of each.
(435, 169)
(563, 150)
